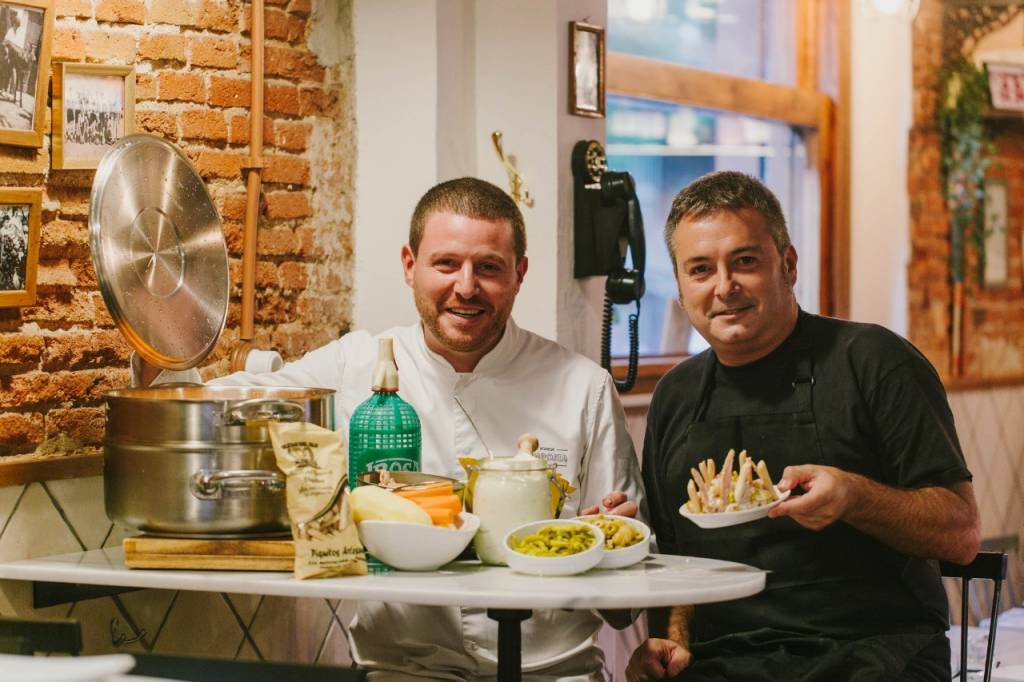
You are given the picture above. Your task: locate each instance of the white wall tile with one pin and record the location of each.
(82, 502)
(288, 629)
(199, 624)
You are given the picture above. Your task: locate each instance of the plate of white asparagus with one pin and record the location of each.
(727, 497)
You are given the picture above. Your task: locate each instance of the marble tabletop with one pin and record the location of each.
(659, 580)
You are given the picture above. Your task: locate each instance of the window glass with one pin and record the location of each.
(666, 146)
(749, 38)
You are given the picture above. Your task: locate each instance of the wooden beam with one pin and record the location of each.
(808, 24)
(840, 255)
(655, 79)
(21, 469)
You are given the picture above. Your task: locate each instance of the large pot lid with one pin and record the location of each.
(159, 251)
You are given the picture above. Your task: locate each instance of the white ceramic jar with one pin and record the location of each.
(507, 493)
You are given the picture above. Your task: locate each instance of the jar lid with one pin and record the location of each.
(159, 252)
(513, 464)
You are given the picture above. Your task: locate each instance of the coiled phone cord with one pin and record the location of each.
(634, 345)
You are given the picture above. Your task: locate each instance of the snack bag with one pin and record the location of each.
(315, 462)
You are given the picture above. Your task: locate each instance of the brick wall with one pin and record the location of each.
(192, 59)
(993, 328)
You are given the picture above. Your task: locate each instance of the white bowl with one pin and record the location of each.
(569, 564)
(732, 518)
(624, 556)
(415, 547)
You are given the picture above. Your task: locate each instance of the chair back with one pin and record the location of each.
(986, 566)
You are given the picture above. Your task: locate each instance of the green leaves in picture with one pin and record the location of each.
(966, 144)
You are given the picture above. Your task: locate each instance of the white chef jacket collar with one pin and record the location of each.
(496, 357)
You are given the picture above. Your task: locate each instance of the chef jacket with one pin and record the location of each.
(526, 383)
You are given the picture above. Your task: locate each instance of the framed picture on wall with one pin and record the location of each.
(93, 107)
(26, 27)
(20, 211)
(586, 70)
(997, 264)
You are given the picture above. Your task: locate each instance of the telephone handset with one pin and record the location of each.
(608, 225)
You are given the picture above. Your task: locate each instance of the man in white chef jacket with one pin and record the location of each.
(465, 262)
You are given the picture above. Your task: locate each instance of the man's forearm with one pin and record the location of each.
(679, 625)
(934, 522)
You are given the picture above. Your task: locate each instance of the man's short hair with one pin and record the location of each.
(727, 191)
(473, 198)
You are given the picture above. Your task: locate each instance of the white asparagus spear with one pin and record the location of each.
(742, 488)
(695, 504)
(703, 468)
(766, 479)
(725, 482)
(743, 458)
(702, 487)
(711, 469)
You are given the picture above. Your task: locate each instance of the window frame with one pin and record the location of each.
(824, 116)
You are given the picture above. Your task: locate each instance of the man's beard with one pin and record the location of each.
(430, 316)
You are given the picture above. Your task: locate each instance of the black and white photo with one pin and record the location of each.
(19, 245)
(93, 109)
(24, 71)
(586, 70)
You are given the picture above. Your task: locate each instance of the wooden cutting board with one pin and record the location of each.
(227, 555)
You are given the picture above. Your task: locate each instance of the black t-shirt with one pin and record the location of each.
(879, 407)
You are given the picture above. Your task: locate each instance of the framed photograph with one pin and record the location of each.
(93, 107)
(586, 70)
(20, 211)
(997, 254)
(26, 27)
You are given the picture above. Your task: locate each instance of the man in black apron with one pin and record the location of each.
(849, 416)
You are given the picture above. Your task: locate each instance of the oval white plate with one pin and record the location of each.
(732, 518)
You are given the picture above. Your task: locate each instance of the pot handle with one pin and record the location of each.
(210, 485)
(269, 409)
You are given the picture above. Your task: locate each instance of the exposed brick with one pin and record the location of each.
(218, 16)
(163, 47)
(19, 353)
(68, 44)
(157, 122)
(229, 92)
(84, 424)
(73, 8)
(277, 242)
(233, 235)
(301, 7)
(14, 160)
(178, 12)
(292, 343)
(287, 205)
(293, 64)
(145, 87)
(233, 206)
(293, 275)
(54, 274)
(62, 308)
(282, 99)
(20, 432)
(239, 133)
(292, 135)
(201, 124)
(288, 170)
(85, 350)
(121, 11)
(315, 101)
(181, 86)
(216, 52)
(64, 238)
(83, 271)
(215, 164)
(105, 45)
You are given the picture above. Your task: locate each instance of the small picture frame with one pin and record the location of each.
(93, 107)
(997, 266)
(26, 30)
(20, 216)
(586, 70)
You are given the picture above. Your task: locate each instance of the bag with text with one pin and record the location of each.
(315, 463)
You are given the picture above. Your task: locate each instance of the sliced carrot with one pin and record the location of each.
(448, 502)
(441, 517)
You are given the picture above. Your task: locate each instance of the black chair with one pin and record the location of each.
(26, 636)
(986, 566)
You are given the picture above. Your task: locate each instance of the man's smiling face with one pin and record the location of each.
(736, 288)
(465, 279)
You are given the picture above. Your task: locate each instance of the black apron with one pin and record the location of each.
(836, 604)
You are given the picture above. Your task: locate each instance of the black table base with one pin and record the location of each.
(510, 642)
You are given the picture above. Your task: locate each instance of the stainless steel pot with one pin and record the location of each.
(196, 461)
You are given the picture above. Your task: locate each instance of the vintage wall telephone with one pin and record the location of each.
(608, 223)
